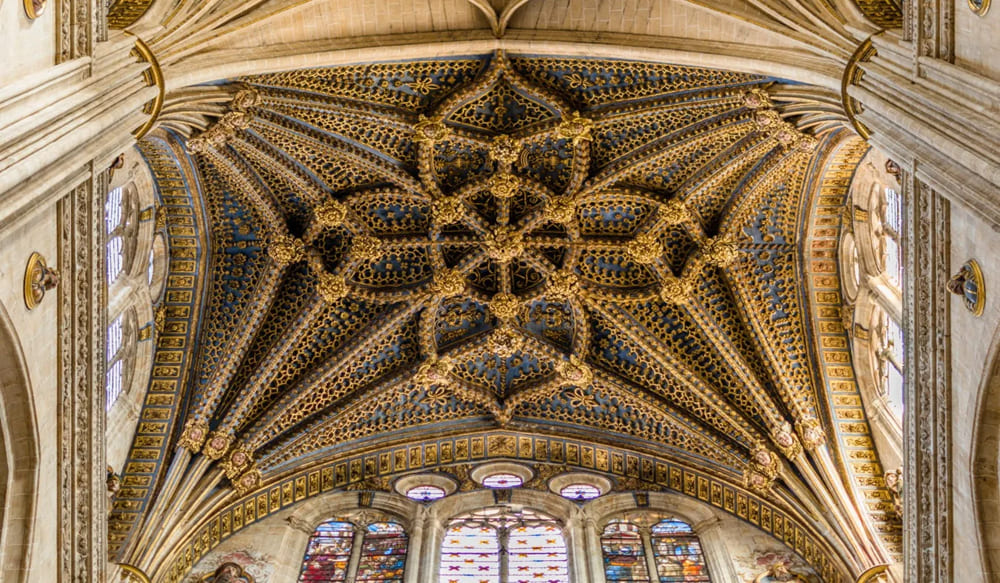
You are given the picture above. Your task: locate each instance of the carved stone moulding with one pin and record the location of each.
(38, 278)
(35, 8)
(968, 284)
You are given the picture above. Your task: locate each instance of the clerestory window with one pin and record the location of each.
(343, 551)
(504, 545)
(669, 549)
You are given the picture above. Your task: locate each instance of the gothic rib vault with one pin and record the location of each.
(606, 251)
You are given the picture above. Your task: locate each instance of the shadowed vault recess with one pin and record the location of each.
(599, 249)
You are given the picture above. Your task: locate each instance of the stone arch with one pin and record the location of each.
(986, 463)
(18, 456)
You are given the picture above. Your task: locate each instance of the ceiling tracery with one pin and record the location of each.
(592, 248)
(481, 238)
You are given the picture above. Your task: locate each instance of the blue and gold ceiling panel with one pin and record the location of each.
(469, 241)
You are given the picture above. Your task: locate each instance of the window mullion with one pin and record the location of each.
(503, 540)
(647, 546)
(355, 561)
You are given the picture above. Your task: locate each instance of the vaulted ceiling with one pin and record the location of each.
(512, 241)
(607, 250)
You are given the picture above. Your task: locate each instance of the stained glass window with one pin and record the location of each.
(329, 553)
(678, 553)
(425, 493)
(500, 545)
(383, 554)
(624, 559)
(502, 481)
(580, 492)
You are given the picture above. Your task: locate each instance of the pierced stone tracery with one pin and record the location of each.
(592, 243)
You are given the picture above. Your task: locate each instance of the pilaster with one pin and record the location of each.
(81, 467)
(927, 481)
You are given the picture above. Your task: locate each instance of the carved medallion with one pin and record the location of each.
(34, 8)
(969, 285)
(980, 7)
(38, 278)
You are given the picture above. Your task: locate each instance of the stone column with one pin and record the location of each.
(594, 555)
(576, 549)
(415, 546)
(430, 551)
(927, 538)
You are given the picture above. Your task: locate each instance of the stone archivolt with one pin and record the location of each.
(513, 241)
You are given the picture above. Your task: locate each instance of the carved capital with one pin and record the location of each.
(217, 445)
(194, 435)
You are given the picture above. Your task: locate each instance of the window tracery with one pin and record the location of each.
(870, 259)
(504, 545)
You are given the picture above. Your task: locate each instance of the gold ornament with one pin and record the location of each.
(574, 372)
(505, 186)
(504, 244)
(720, 252)
(245, 99)
(434, 371)
(447, 283)
(366, 248)
(332, 288)
(561, 209)
(645, 249)
(38, 279)
(576, 128)
(448, 210)
(562, 285)
(505, 149)
(285, 250)
(767, 120)
(674, 212)
(430, 130)
(194, 435)
(331, 214)
(785, 439)
(217, 445)
(757, 98)
(811, 432)
(505, 306)
(237, 461)
(676, 290)
(247, 482)
(505, 342)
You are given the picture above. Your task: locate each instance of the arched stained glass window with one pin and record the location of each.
(622, 548)
(500, 545)
(678, 553)
(669, 548)
(331, 555)
(329, 552)
(383, 555)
